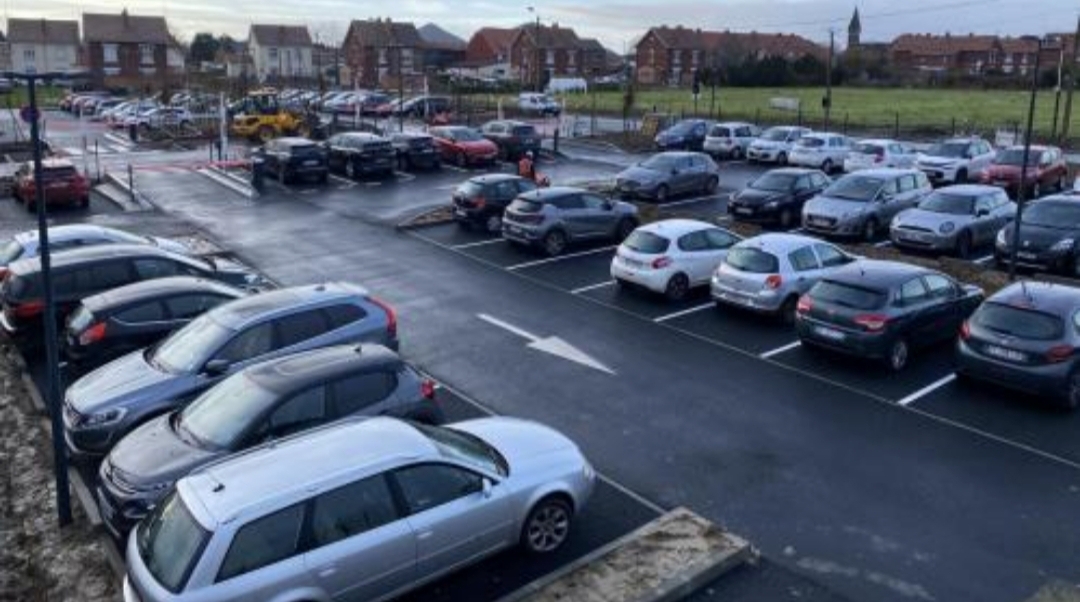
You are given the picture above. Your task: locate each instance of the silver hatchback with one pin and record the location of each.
(360, 510)
(862, 203)
(768, 273)
(553, 218)
(954, 219)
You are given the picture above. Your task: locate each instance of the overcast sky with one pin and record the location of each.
(615, 23)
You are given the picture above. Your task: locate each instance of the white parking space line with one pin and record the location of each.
(116, 148)
(700, 199)
(71, 151)
(928, 389)
(983, 260)
(799, 230)
(404, 176)
(684, 312)
(592, 287)
(455, 168)
(882, 244)
(529, 264)
(480, 243)
(780, 350)
(343, 181)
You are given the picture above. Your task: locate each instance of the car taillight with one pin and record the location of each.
(805, 304)
(93, 334)
(391, 316)
(529, 219)
(774, 281)
(1059, 354)
(661, 262)
(3, 272)
(427, 389)
(479, 202)
(28, 309)
(872, 322)
(965, 331)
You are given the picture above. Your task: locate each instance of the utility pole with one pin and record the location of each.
(1021, 189)
(827, 101)
(52, 364)
(1057, 89)
(401, 90)
(1066, 119)
(538, 51)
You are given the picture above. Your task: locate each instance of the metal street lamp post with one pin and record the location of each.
(52, 367)
(536, 42)
(1020, 193)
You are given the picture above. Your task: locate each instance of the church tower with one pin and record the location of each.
(854, 30)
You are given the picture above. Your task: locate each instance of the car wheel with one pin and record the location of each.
(31, 206)
(870, 229)
(662, 194)
(1036, 191)
(350, 169)
(493, 223)
(1059, 186)
(961, 176)
(788, 309)
(898, 355)
(781, 159)
(282, 175)
(85, 202)
(787, 219)
(827, 166)
(461, 160)
(736, 153)
(1072, 395)
(677, 287)
(963, 245)
(554, 242)
(711, 185)
(547, 526)
(1076, 265)
(625, 227)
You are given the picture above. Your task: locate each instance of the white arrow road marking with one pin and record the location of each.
(551, 345)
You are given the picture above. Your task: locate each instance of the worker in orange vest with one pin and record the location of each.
(526, 166)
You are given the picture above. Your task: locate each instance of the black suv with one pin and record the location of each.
(80, 273)
(415, 150)
(292, 158)
(110, 324)
(481, 200)
(358, 154)
(514, 138)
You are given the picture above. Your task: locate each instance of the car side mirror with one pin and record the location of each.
(609, 205)
(487, 487)
(216, 367)
(983, 212)
(674, 171)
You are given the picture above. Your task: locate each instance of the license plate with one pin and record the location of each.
(1005, 354)
(514, 230)
(1026, 256)
(459, 212)
(829, 333)
(1001, 183)
(818, 221)
(310, 163)
(744, 211)
(916, 236)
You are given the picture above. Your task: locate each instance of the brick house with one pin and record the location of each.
(442, 49)
(546, 51)
(671, 55)
(127, 50)
(281, 51)
(488, 52)
(378, 50)
(43, 45)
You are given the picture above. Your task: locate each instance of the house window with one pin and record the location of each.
(571, 58)
(272, 53)
(146, 54)
(676, 58)
(109, 53)
(695, 56)
(550, 57)
(28, 55)
(652, 57)
(382, 57)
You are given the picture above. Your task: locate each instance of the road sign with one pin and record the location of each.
(28, 114)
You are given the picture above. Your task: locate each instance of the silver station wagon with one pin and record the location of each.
(359, 510)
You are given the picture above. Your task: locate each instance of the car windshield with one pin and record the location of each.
(854, 188)
(1019, 322)
(810, 142)
(659, 162)
(10, 251)
(847, 295)
(753, 260)
(774, 182)
(646, 242)
(681, 128)
(954, 150)
(187, 349)
(869, 149)
(952, 204)
(720, 131)
(1015, 156)
(218, 417)
(465, 135)
(524, 130)
(1052, 215)
(775, 134)
(170, 541)
(465, 447)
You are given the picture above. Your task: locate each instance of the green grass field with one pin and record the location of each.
(863, 108)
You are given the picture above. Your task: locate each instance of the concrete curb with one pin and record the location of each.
(570, 583)
(426, 219)
(110, 192)
(142, 203)
(229, 181)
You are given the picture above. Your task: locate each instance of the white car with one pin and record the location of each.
(878, 152)
(955, 161)
(533, 102)
(774, 144)
(821, 150)
(671, 256)
(730, 139)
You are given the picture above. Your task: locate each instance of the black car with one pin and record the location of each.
(514, 138)
(110, 324)
(480, 201)
(291, 158)
(883, 309)
(81, 273)
(777, 196)
(415, 150)
(688, 134)
(1025, 337)
(1049, 237)
(357, 154)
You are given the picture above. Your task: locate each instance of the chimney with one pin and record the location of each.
(127, 21)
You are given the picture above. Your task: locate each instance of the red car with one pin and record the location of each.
(64, 185)
(463, 146)
(1046, 170)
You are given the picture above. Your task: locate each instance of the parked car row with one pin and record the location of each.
(206, 393)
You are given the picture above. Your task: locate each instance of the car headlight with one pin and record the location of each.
(772, 204)
(102, 418)
(1000, 240)
(1065, 244)
(947, 227)
(153, 487)
(588, 471)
